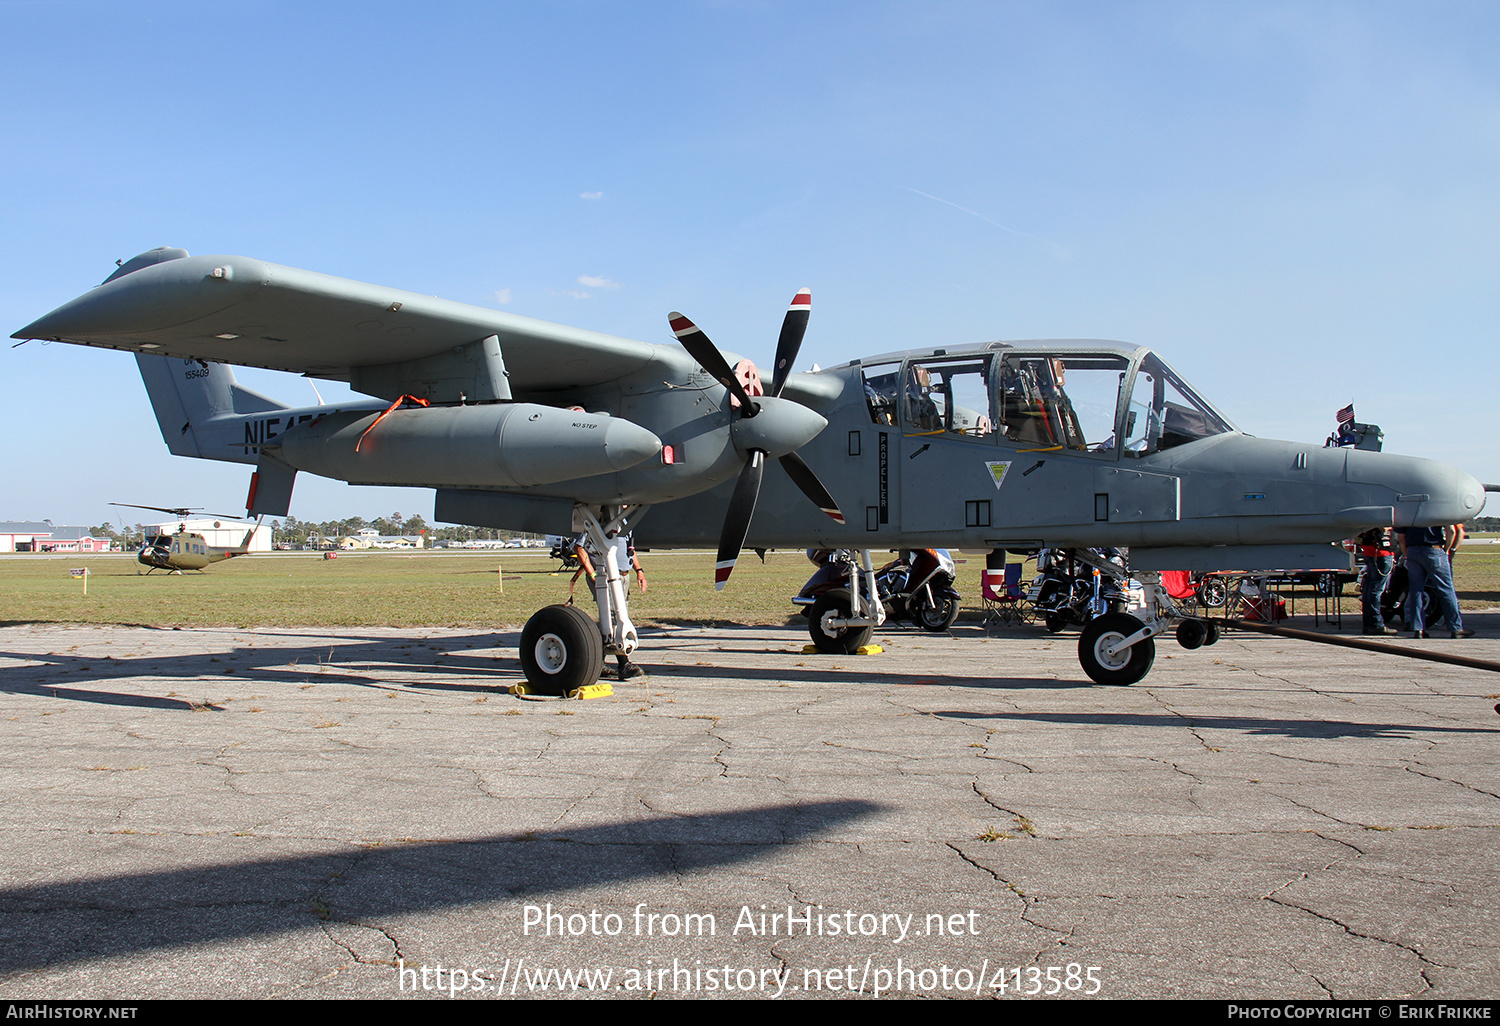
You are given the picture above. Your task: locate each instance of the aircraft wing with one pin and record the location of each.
(238, 310)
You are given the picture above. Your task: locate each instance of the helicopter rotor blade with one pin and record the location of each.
(178, 511)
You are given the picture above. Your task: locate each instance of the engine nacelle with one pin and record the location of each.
(504, 445)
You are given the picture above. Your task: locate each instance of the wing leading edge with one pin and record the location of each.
(239, 310)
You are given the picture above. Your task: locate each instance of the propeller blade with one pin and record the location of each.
(803, 477)
(737, 520)
(707, 354)
(792, 330)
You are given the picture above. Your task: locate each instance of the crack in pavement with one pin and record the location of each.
(1422, 959)
(1449, 780)
(1192, 728)
(1317, 812)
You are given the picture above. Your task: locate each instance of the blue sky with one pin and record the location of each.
(1297, 204)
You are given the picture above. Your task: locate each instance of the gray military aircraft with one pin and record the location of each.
(522, 424)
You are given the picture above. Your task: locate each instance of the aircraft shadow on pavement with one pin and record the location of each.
(854, 673)
(425, 663)
(335, 661)
(1254, 725)
(106, 917)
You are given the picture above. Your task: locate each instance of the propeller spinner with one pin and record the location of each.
(756, 441)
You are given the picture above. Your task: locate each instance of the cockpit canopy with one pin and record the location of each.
(1112, 403)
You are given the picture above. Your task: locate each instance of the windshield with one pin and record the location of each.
(1165, 412)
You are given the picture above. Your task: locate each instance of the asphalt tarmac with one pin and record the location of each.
(369, 814)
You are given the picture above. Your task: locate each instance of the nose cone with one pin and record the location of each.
(1426, 492)
(781, 426)
(1453, 497)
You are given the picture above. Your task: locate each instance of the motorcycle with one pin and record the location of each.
(562, 550)
(1067, 593)
(1393, 602)
(916, 586)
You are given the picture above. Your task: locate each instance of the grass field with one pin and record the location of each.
(362, 590)
(437, 589)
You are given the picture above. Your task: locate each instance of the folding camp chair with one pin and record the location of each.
(1002, 596)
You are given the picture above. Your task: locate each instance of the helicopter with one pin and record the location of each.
(531, 426)
(184, 550)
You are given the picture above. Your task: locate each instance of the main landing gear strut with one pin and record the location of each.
(842, 620)
(562, 648)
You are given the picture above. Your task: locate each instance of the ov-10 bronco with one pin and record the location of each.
(522, 424)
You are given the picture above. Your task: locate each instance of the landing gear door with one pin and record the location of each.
(948, 436)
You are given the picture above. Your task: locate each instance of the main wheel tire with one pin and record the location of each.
(1192, 634)
(1123, 668)
(835, 640)
(1055, 622)
(1212, 637)
(561, 650)
(936, 619)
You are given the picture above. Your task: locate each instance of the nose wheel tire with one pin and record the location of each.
(831, 639)
(1192, 634)
(561, 650)
(1120, 668)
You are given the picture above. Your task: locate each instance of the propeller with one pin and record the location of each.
(743, 384)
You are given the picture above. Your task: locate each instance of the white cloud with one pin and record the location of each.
(591, 195)
(597, 281)
(576, 294)
(502, 296)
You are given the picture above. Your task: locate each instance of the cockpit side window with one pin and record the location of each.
(1063, 401)
(882, 391)
(948, 396)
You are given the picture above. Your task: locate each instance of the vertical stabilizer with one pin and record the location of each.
(188, 394)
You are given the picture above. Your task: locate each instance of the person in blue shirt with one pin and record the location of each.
(1427, 553)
